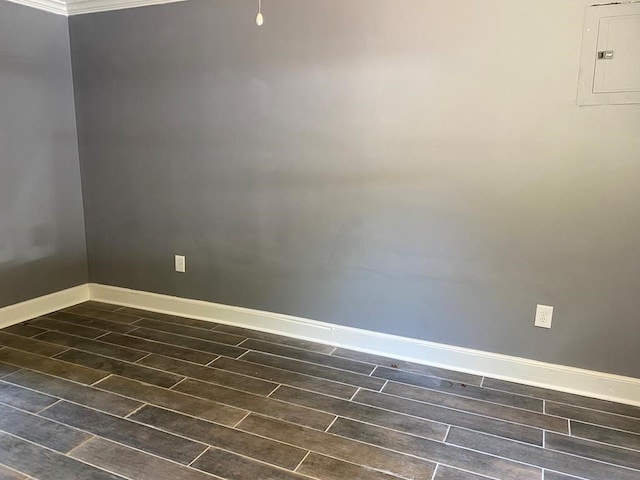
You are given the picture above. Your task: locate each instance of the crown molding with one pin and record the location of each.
(79, 7)
(52, 6)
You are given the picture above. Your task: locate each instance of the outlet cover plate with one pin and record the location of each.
(544, 315)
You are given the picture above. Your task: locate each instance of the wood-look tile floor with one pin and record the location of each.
(99, 391)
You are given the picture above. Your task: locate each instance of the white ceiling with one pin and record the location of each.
(77, 7)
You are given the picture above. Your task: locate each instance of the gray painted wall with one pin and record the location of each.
(42, 241)
(416, 167)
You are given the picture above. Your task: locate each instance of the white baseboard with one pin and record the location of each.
(558, 377)
(42, 305)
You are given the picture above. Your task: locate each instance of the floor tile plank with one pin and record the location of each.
(23, 330)
(421, 369)
(595, 417)
(30, 345)
(233, 467)
(562, 397)
(151, 346)
(6, 369)
(101, 314)
(286, 377)
(327, 468)
(194, 332)
(132, 463)
(6, 474)
(51, 366)
(23, 398)
(548, 475)
(548, 459)
(126, 432)
(165, 317)
(204, 348)
(451, 417)
(437, 452)
(480, 407)
(211, 375)
(338, 447)
(605, 435)
(242, 443)
(321, 371)
(255, 403)
(278, 339)
(460, 389)
(107, 307)
(594, 450)
(82, 394)
(41, 463)
(174, 400)
(365, 413)
(310, 357)
(92, 346)
(447, 473)
(101, 324)
(64, 327)
(118, 367)
(46, 433)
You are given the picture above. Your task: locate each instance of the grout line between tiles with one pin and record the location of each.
(136, 410)
(241, 355)
(302, 461)
(80, 444)
(354, 394)
(384, 385)
(433, 476)
(210, 363)
(239, 421)
(172, 387)
(207, 448)
(137, 362)
(274, 390)
(331, 424)
(52, 405)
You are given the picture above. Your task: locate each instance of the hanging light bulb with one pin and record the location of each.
(259, 17)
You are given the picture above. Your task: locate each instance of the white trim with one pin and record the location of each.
(52, 6)
(42, 305)
(558, 377)
(78, 7)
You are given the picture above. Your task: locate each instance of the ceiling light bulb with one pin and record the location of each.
(259, 19)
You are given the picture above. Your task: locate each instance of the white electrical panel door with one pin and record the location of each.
(610, 66)
(618, 55)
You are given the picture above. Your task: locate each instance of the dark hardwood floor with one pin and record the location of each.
(104, 392)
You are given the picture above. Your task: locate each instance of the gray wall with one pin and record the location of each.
(42, 242)
(416, 167)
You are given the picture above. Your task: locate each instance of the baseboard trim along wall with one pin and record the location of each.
(37, 307)
(568, 379)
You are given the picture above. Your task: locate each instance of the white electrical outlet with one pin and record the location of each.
(544, 314)
(180, 264)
